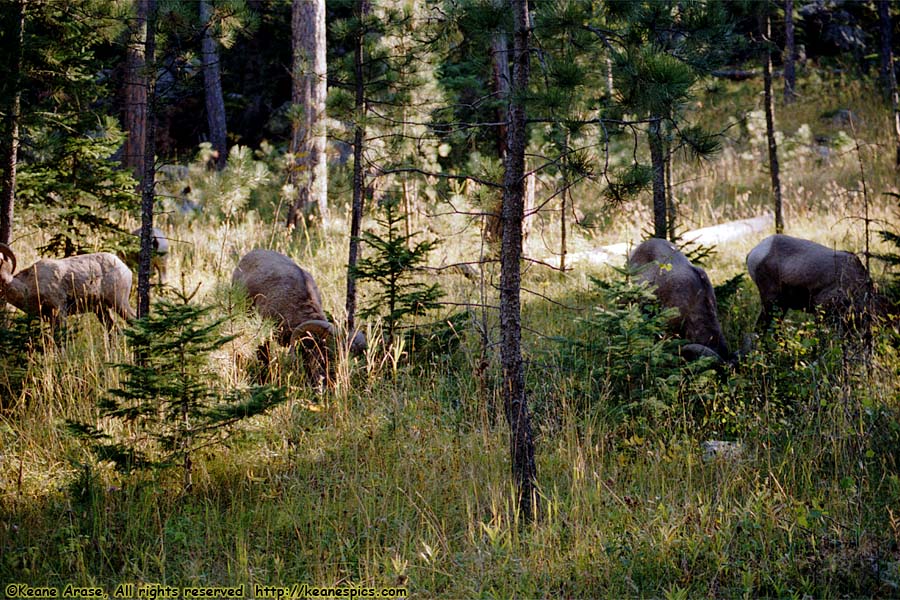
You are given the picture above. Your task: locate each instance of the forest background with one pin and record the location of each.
(454, 175)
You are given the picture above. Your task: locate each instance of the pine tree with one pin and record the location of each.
(515, 398)
(309, 172)
(662, 49)
(62, 173)
(170, 397)
(393, 264)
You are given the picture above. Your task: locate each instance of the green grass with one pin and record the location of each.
(400, 475)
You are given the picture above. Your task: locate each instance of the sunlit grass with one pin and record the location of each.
(400, 476)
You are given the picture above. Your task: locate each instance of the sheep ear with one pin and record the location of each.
(9, 255)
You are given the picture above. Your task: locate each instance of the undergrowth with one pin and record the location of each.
(399, 474)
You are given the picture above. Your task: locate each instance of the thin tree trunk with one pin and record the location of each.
(610, 87)
(500, 67)
(135, 91)
(212, 83)
(11, 145)
(670, 199)
(149, 171)
(888, 73)
(310, 170)
(790, 77)
(886, 51)
(658, 161)
(359, 183)
(514, 398)
(563, 242)
(770, 124)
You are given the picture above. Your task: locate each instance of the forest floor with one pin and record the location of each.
(398, 476)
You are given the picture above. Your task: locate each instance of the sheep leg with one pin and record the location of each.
(105, 316)
(264, 357)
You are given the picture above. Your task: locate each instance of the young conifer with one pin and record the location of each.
(393, 265)
(170, 401)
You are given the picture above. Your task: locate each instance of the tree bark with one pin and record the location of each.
(886, 51)
(359, 180)
(765, 26)
(212, 84)
(11, 145)
(149, 171)
(514, 397)
(888, 74)
(135, 92)
(501, 76)
(658, 162)
(309, 173)
(790, 77)
(670, 199)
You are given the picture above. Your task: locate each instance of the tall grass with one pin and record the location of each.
(399, 476)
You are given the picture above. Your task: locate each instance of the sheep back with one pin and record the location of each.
(794, 273)
(679, 284)
(77, 284)
(279, 290)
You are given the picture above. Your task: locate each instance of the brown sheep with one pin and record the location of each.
(679, 284)
(55, 288)
(282, 291)
(793, 273)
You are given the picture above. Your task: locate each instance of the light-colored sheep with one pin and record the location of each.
(282, 291)
(793, 273)
(679, 284)
(159, 243)
(55, 288)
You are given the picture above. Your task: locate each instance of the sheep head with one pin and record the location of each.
(7, 267)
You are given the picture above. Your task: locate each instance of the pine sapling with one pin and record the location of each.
(170, 399)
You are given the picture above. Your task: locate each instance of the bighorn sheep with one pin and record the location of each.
(679, 284)
(159, 243)
(281, 290)
(796, 273)
(55, 288)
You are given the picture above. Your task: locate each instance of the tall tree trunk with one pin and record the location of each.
(212, 83)
(309, 173)
(514, 398)
(765, 26)
(658, 162)
(500, 68)
(135, 92)
(149, 168)
(11, 143)
(888, 74)
(886, 51)
(790, 77)
(359, 183)
(670, 199)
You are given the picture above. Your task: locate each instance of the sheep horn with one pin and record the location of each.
(316, 327)
(7, 252)
(695, 351)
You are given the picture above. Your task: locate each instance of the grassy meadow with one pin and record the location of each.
(399, 475)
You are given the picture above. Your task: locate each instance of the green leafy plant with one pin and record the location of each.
(393, 266)
(74, 190)
(171, 403)
(624, 354)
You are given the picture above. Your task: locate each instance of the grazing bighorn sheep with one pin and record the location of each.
(55, 288)
(796, 273)
(159, 243)
(281, 290)
(679, 284)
